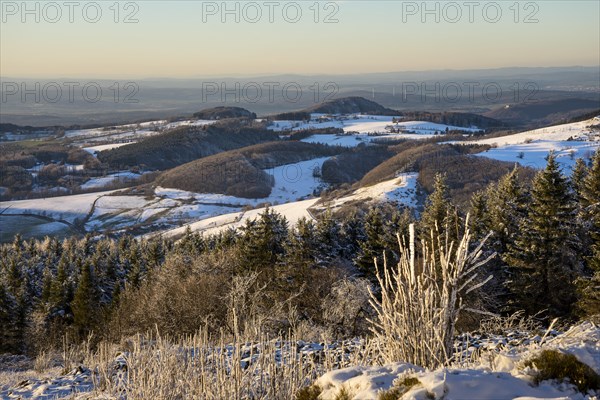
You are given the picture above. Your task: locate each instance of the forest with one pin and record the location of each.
(312, 278)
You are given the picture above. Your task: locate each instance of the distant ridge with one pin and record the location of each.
(352, 105)
(222, 112)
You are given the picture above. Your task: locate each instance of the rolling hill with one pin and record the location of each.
(241, 172)
(188, 143)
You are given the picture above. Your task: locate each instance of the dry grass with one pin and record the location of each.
(419, 304)
(200, 367)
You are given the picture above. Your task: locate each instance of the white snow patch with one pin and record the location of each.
(568, 141)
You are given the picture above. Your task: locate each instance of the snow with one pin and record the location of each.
(295, 181)
(67, 208)
(402, 189)
(531, 148)
(123, 176)
(504, 377)
(497, 374)
(97, 149)
(363, 129)
(291, 211)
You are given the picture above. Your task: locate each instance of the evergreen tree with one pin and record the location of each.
(578, 178)
(506, 205)
(589, 286)
(85, 304)
(440, 215)
(8, 317)
(544, 258)
(374, 244)
(262, 242)
(327, 232)
(301, 247)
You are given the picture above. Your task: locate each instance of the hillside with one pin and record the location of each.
(454, 118)
(240, 173)
(216, 113)
(543, 112)
(187, 143)
(351, 105)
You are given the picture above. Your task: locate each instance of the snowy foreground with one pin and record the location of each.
(487, 367)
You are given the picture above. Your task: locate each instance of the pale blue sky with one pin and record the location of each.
(172, 40)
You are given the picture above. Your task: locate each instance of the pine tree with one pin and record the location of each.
(301, 247)
(480, 221)
(580, 171)
(544, 258)
(589, 286)
(440, 215)
(262, 242)
(374, 244)
(85, 302)
(506, 204)
(327, 232)
(8, 316)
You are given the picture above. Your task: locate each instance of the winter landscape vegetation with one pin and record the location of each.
(377, 237)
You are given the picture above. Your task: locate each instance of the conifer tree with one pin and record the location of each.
(544, 258)
(85, 304)
(8, 316)
(262, 241)
(440, 215)
(480, 218)
(506, 205)
(589, 286)
(580, 171)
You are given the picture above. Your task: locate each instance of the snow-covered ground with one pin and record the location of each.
(211, 226)
(171, 207)
(66, 208)
(568, 141)
(364, 128)
(402, 189)
(123, 176)
(112, 137)
(496, 373)
(97, 149)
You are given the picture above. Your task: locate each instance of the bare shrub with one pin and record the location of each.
(345, 308)
(419, 304)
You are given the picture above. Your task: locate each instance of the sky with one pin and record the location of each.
(185, 39)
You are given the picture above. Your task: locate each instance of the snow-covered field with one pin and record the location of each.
(170, 208)
(492, 367)
(211, 226)
(66, 208)
(295, 191)
(112, 137)
(123, 176)
(97, 149)
(568, 141)
(402, 189)
(364, 128)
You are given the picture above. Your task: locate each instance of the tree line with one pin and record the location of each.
(311, 277)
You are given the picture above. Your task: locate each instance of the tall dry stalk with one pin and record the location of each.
(420, 304)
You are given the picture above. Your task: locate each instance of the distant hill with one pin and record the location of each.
(454, 119)
(240, 172)
(186, 144)
(224, 112)
(351, 105)
(544, 112)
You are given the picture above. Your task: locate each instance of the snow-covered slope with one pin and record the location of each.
(402, 190)
(364, 128)
(568, 141)
(495, 375)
